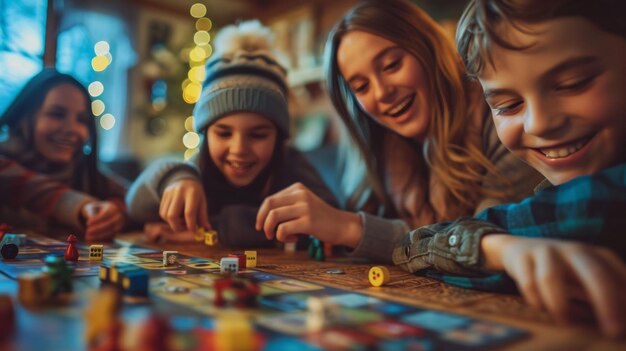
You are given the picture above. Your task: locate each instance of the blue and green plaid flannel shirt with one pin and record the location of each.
(590, 208)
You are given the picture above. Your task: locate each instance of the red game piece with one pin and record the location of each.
(242, 260)
(71, 253)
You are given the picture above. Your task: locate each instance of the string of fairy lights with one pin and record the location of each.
(99, 63)
(192, 85)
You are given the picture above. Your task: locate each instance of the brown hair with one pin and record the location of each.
(478, 27)
(449, 155)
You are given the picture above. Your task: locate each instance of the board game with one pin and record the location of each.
(185, 293)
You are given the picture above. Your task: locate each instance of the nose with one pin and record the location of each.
(383, 91)
(543, 118)
(238, 144)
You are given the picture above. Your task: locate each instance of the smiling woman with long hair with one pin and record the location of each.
(52, 139)
(421, 146)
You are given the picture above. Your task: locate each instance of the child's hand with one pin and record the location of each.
(103, 220)
(557, 275)
(159, 231)
(184, 206)
(297, 210)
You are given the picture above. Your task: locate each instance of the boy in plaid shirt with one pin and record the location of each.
(554, 75)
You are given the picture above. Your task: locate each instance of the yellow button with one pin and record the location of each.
(379, 275)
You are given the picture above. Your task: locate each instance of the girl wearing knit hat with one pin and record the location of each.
(50, 161)
(243, 118)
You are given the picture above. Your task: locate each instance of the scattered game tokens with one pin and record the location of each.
(177, 289)
(335, 271)
(9, 251)
(379, 275)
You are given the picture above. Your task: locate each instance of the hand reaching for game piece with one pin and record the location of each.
(557, 275)
(184, 206)
(159, 231)
(103, 219)
(297, 210)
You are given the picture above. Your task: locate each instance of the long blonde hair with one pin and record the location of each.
(452, 153)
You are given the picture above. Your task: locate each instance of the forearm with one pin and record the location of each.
(377, 237)
(144, 196)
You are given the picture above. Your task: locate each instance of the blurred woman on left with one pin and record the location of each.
(49, 177)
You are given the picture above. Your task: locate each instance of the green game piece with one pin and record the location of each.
(319, 254)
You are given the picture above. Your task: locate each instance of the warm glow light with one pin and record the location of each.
(97, 107)
(189, 153)
(109, 57)
(107, 121)
(201, 37)
(95, 89)
(189, 124)
(196, 74)
(204, 24)
(208, 50)
(191, 140)
(101, 48)
(185, 83)
(197, 10)
(197, 54)
(99, 63)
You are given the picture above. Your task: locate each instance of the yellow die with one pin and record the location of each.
(210, 238)
(379, 275)
(95, 252)
(199, 236)
(250, 259)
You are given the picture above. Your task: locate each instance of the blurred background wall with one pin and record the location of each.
(143, 61)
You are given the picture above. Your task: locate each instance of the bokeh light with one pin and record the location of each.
(197, 10)
(99, 63)
(189, 124)
(201, 38)
(107, 121)
(101, 48)
(189, 153)
(197, 74)
(192, 92)
(97, 107)
(191, 140)
(204, 24)
(95, 88)
(197, 54)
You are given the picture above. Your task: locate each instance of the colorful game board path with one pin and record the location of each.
(461, 315)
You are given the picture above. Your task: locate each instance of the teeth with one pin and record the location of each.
(240, 165)
(399, 107)
(563, 151)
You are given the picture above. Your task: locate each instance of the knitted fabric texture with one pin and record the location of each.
(243, 76)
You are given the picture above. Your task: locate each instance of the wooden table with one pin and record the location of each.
(417, 291)
(405, 288)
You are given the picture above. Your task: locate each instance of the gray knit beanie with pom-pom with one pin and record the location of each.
(243, 76)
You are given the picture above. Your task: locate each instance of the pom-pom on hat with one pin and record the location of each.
(243, 76)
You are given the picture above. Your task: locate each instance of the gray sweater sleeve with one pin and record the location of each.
(144, 196)
(379, 237)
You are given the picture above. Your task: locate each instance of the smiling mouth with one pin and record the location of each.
(399, 109)
(240, 165)
(65, 143)
(564, 150)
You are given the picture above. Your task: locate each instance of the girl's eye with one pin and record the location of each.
(361, 88)
(575, 85)
(392, 66)
(507, 109)
(56, 114)
(259, 135)
(223, 134)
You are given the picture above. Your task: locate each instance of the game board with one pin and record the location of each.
(186, 292)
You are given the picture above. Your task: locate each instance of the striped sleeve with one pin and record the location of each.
(23, 188)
